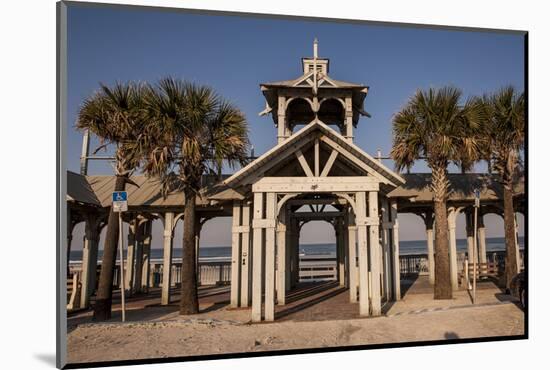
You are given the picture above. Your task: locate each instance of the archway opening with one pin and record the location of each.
(299, 113)
(331, 112)
(317, 252)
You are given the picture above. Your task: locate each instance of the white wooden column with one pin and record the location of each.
(482, 240)
(352, 261)
(146, 257)
(246, 272)
(470, 234)
(138, 264)
(257, 255)
(341, 253)
(375, 253)
(362, 246)
(349, 119)
(288, 252)
(130, 257)
(451, 220)
(270, 221)
(235, 255)
(429, 222)
(345, 247)
(281, 256)
(516, 240)
(198, 227)
(395, 253)
(386, 229)
(89, 260)
(167, 257)
(282, 132)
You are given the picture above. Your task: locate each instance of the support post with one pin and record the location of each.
(452, 248)
(257, 255)
(138, 265)
(246, 272)
(167, 257)
(341, 253)
(387, 287)
(146, 257)
(198, 227)
(352, 261)
(362, 246)
(345, 243)
(89, 260)
(235, 254)
(470, 234)
(375, 255)
(516, 240)
(482, 240)
(131, 255)
(395, 252)
(271, 209)
(429, 221)
(288, 252)
(281, 256)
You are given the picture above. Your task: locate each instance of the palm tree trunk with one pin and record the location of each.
(189, 303)
(102, 307)
(442, 287)
(511, 263)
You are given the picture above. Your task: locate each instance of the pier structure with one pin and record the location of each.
(314, 172)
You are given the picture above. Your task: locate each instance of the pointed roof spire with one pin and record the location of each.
(315, 56)
(315, 48)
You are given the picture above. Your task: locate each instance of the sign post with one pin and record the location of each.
(120, 204)
(474, 257)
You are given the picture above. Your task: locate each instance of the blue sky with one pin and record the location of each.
(234, 54)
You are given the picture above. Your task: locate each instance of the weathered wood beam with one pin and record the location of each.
(316, 147)
(303, 163)
(352, 158)
(330, 162)
(316, 184)
(316, 214)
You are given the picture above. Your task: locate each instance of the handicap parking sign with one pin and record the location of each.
(120, 201)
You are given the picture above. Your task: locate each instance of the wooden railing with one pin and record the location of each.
(417, 264)
(317, 269)
(311, 269)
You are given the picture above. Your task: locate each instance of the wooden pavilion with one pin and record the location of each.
(315, 172)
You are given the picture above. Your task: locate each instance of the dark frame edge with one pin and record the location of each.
(61, 348)
(291, 17)
(61, 185)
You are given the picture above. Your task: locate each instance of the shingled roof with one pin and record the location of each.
(417, 186)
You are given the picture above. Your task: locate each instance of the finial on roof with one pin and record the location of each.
(315, 48)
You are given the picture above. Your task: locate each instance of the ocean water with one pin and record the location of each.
(405, 246)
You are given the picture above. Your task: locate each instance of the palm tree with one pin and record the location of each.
(504, 130)
(114, 115)
(197, 131)
(435, 126)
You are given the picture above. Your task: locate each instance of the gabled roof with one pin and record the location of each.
(306, 134)
(332, 83)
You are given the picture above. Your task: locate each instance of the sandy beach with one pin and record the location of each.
(417, 317)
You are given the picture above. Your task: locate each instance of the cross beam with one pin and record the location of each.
(316, 184)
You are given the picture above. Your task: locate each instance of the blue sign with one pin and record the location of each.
(120, 196)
